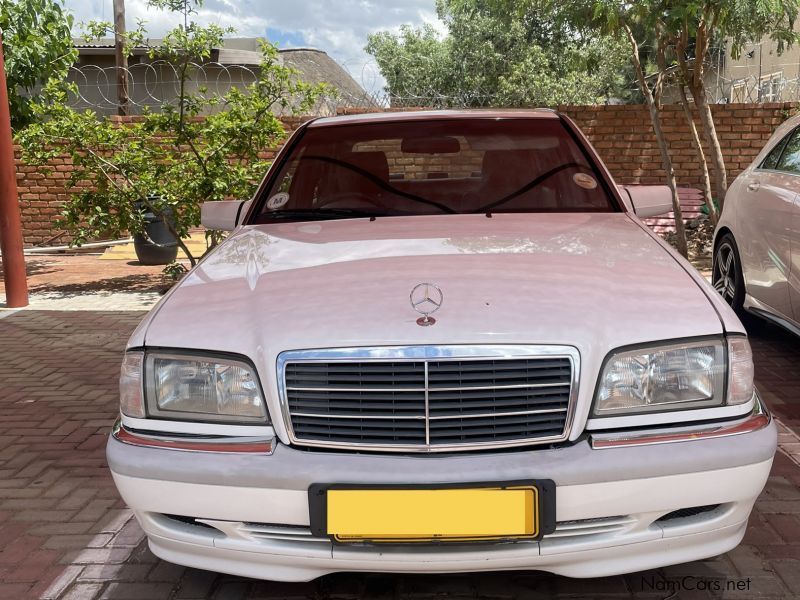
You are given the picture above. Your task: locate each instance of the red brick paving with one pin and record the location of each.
(65, 533)
(777, 357)
(56, 403)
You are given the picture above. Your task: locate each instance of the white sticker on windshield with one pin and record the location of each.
(585, 181)
(278, 200)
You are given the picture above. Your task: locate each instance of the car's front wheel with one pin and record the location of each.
(726, 272)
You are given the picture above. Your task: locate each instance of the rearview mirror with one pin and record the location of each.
(648, 200)
(433, 144)
(225, 215)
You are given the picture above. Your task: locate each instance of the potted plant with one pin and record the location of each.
(156, 244)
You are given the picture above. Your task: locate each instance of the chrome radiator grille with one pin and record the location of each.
(428, 398)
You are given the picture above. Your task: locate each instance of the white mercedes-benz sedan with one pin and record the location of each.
(440, 342)
(756, 265)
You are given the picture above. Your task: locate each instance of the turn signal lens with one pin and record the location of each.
(131, 397)
(740, 379)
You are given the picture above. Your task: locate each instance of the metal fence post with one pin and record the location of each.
(14, 276)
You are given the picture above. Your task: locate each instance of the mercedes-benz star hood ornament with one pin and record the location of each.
(426, 299)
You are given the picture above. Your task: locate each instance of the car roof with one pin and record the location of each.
(434, 115)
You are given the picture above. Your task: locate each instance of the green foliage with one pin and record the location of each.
(736, 21)
(496, 55)
(201, 147)
(179, 6)
(413, 62)
(38, 50)
(174, 271)
(704, 208)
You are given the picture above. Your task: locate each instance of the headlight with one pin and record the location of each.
(676, 377)
(192, 388)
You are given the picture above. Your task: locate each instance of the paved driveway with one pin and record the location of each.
(65, 533)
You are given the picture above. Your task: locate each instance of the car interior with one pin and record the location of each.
(440, 174)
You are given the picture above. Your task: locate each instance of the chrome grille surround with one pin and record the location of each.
(406, 356)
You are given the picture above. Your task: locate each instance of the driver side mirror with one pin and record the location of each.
(648, 200)
(225, 215)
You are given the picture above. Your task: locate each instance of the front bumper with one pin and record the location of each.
(614, 506)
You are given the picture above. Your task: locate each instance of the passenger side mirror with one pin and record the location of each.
(648, 200)
(225, 215)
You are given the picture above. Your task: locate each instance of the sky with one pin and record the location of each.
(339, 27)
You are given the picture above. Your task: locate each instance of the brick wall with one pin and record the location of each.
(39, 198)
(621, 134)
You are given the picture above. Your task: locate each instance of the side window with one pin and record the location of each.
(771, 161)
(790, 159)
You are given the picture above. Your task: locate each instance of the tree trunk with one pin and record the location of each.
(702, 38)
(710, 134)
(701, 156)
(666, 160)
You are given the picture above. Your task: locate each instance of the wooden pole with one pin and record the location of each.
(10, 224)
(121, 57)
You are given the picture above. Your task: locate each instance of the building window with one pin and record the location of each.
(770, 87)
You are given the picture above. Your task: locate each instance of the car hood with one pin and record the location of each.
(593, 281)
(540, 278)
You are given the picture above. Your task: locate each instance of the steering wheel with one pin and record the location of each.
(354, 197)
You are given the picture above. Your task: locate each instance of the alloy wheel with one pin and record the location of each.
(725, 274)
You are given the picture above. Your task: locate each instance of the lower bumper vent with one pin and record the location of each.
(188, 521)
(685, 513)
(270, 531)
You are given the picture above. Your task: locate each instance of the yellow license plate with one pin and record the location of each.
(417, 515)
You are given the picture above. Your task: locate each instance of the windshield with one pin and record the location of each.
(434, 167)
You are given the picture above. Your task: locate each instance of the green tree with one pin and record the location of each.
(202, 146)
(684, 31)
(415, 63)
(37, 46)
(500, 57)
(627, 21)
(688, 27)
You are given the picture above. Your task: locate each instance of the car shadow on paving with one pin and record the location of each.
(65, 533)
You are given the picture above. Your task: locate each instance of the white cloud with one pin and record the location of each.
(339, 28)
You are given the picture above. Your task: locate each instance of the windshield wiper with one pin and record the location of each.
(527, 187)
(312, 214)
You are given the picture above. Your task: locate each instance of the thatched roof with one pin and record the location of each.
(315, 66)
